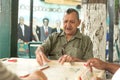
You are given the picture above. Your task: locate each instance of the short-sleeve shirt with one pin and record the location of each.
(79, 46)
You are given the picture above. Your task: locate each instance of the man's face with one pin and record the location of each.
(70, 23)
(21, 20)
(45, 22)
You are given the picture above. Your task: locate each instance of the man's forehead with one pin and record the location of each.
(70, 17)
(45, 20)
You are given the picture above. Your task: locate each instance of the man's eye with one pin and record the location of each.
(65, 21)
(72, 21)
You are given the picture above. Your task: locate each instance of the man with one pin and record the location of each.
(68, 46)
(7, 75)
(57, 28)
(112, 68)
(44, 30)
(23, 31)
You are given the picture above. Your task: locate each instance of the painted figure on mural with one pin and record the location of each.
(23, 31)
(57, 27)
(44, 30)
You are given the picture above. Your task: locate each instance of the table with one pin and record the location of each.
(56, 71)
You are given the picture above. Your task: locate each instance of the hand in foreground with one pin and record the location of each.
(41, 58)
(37, 75)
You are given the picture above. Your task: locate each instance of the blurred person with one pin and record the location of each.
(57, 27)
(7, 75)
(111, 67)
(23, 31)
(45, 30)
(68, 46)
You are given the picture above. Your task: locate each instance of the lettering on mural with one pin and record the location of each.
(40, 8)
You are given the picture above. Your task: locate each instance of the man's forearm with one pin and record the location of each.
(112, 67)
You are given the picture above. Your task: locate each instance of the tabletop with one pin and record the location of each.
(53, 70)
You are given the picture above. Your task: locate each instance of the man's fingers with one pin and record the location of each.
(39, 59)
(68, 58)
(62, 59)
(59, 59)
(45, 58)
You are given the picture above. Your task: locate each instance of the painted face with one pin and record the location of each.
(21, 20)
(70, 23)
(46, 22)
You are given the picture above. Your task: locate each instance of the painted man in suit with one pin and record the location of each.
(23, 31)
(44, 31)
(57, 27)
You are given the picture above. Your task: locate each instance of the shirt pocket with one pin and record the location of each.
(75, 52)
(55, 53)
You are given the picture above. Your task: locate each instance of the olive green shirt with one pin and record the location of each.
(79, 46)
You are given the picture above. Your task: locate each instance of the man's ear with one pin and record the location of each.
(79, 22)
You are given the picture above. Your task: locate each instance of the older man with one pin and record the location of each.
(67, 46)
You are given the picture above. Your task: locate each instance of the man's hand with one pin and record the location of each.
(67, 58)
(40, 57)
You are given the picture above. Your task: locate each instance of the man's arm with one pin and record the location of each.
(111, 67)
(99, 64)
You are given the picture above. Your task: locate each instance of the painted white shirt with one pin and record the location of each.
(116, 76)
(58, 29)
(23, 28)
(46, 28)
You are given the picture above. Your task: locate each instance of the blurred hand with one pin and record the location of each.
(37, 75)
(41, 58)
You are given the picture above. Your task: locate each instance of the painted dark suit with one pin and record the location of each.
(55, 30)
(38, 32)
(26, 37)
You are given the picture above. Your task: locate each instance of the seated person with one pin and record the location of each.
(68, 46)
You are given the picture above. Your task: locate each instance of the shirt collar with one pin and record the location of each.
(77, 35)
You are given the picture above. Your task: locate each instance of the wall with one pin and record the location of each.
(8, 29)
(5, 30)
